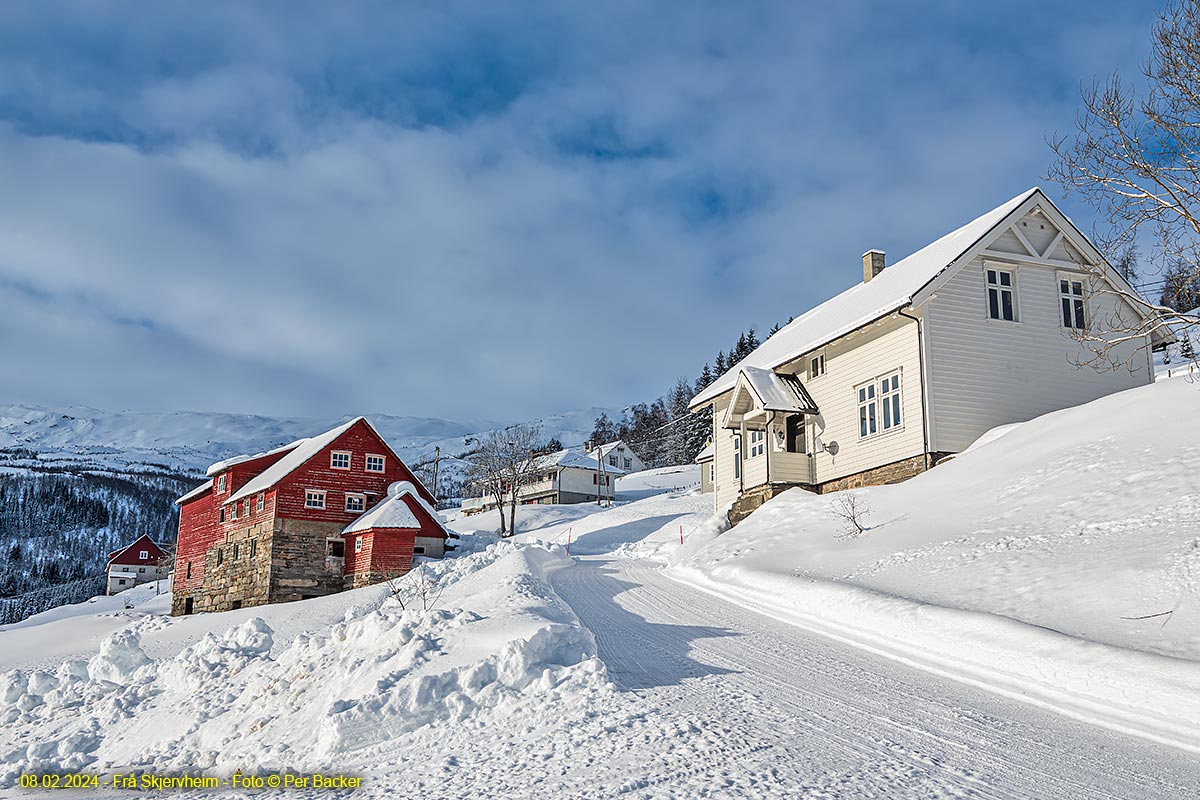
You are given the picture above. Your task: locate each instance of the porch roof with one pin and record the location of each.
(760, 390)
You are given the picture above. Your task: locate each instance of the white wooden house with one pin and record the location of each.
(620, 455)
(921, 358)
(568, 476)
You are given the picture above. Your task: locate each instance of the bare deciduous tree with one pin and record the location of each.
(852, 509)
(1136, 159)
(417, 587)
(502, 464)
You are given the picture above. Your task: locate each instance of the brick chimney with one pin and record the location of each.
(873, 264)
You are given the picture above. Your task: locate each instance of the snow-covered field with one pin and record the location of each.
(1009, 563)
(772, 660)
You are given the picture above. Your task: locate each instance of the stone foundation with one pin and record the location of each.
(299, 569)
(755, 496)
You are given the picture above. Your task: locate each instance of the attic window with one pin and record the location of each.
(339, 459)
(1002, 294)
(220, 483)
(816, 366)
(1070, 293)
(374, 463)
(143, 554)
(260, 501)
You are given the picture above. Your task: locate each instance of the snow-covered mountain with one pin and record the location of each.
(188, 441)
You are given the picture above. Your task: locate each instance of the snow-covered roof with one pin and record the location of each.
(194, 493)
(394, 511)
(706, 454)
(888, 291)
(302, 452)
(572, 458)
(779, 392)
(605, 449)
(221, 466)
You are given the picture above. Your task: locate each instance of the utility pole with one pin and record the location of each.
(437, 455)
(588, 448)
(600, 461)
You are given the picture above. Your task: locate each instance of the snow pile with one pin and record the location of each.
(1058, 562)
(462, 640)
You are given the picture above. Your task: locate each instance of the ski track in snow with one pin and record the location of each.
(768, 710)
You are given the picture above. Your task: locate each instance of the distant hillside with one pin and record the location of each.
(78, 482)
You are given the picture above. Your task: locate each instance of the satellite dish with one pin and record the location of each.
(832, 448)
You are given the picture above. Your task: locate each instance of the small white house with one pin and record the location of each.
(705, 459)
(619, 455)
(140, 561)
(568, 476)
(916, 362)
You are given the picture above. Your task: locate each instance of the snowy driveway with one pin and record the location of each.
(764, 709)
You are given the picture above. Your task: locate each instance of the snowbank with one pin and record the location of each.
(466, 639)
(1057, 562)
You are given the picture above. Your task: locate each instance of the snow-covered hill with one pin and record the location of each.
(187, 442)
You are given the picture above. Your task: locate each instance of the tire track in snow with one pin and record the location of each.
(790, 713)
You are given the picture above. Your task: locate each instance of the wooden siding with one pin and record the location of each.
(727, 486)
(388, 551)
(985, 372)
(316, 473)
(198, 531)
(886, 346)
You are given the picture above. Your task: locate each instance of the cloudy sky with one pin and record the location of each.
(487, 209)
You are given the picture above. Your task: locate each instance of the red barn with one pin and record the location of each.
(140, 561)
(268, 527)
(382, 542)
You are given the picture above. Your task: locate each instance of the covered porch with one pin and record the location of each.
(768, 416)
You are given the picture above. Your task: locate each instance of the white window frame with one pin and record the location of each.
(1000, 288)
(259, 503)
(333, 455)
(221, 483)
(737, 456)
(891, 402)
(358, 544)
(816, 365)
(1078, 309)
(871, 398)
(233, 511)
(312, 495)
(628, 463)
(355, 496)
(143, 554)
(868, 410)
(758, 443)
(382, 463)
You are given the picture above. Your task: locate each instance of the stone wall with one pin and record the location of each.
(237, 581)
(298, 563)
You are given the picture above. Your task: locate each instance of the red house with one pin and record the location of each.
(140, 561)
(268, 527)
(382, 542)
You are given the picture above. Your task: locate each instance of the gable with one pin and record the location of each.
(129, 553)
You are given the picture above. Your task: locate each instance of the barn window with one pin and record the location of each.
(1002, 294)
(339, 459)
(1070, 293)
(335, 548)
(233, 511)
(356, 503)
(222, 513)
(220, 556)
(314, 498)
(358, 544)
(374, 463)
(418, 551)
(235, 552)
(143, 554)
(260, 501)
(221, 483)
(253, 547)
(189, 569)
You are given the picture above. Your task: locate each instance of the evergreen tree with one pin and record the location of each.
(722, 363)
(1126, 264)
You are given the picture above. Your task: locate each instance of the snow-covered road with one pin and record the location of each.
(765, 709)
